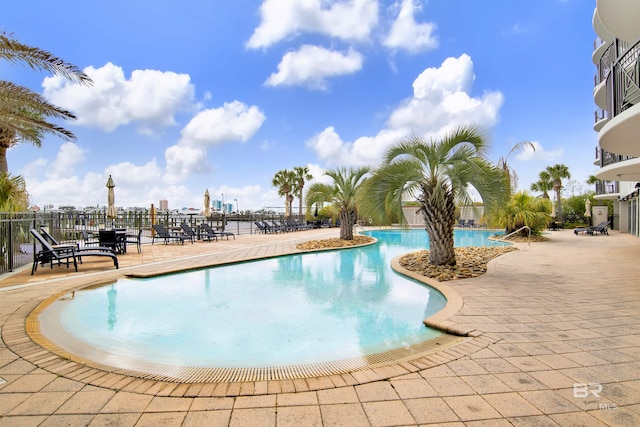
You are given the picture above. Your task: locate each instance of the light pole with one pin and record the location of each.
(223, 211)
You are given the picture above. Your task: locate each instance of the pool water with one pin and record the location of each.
(290, 310)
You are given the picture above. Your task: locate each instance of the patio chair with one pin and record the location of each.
(471, 223)
(88, 239)
(66, 253)
(134, 239)
(461, 223)
(189, 232)
(207, 228)
(166, 236)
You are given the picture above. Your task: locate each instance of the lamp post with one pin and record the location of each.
(223, 211)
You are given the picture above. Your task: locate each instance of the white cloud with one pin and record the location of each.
(408, 35)
(441, 102)
(540, 153)
(69, 155)
(150, 98)
(311, 65)
(346, 20)
(234, 121)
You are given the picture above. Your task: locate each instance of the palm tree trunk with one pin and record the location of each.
(347, 221)
(439, 222)
(4, 167)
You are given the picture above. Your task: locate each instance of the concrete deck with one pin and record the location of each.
(554, 340)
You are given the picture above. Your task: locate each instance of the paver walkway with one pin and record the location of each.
(554, 340)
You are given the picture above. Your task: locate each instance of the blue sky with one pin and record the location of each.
(192, 95)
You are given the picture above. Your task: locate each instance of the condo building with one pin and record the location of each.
(617, 120)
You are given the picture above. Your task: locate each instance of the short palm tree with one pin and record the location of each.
(543, 184)
(23, 113)
(344, 193)
(557, 172)
(13, 193)
(302, 175)
(284, 180)
(437, 173)
(524, 210)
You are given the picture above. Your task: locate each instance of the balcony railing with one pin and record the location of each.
(606, 158)
(606, 187)
(623, 82)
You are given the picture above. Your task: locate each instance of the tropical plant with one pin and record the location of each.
(13, 193)
(524, 210)
(543, 184)
(301, 175)
(557, 173)
(284, 181)
(24, 113)
(509, 172)
(344, 194)
(439, 174)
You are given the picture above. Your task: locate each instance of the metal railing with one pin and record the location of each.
(17, 247)
(514, 232)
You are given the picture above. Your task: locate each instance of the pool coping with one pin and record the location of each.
(17, 333)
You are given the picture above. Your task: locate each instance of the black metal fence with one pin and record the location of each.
(17, 247)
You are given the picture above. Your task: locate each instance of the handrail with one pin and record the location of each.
(512, 233)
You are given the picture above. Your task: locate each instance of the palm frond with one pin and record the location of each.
(38, 59)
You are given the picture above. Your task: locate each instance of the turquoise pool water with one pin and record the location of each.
(289, 310)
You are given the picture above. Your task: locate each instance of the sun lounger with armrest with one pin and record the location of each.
(601, 228)
(206, 227)
(49, 254)
(162, 233)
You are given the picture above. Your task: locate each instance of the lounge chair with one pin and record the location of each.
(261, 228)
(471, 223)
(88, 240)
(461, 223)
(164, 234)
(210, 231)
(300, 226)
(55, 244)
(601, 228)
(66, 253)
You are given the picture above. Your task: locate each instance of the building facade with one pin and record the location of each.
(617, 120)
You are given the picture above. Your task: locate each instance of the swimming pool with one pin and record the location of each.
(291, 310)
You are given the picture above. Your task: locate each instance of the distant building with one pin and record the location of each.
(164, 205)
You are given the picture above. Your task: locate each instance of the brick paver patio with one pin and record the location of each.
(553, 339)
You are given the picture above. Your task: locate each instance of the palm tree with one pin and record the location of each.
(557, 172)
(544, 184)
(284, 181)
(509, 172)
(23, 113)
(13, 193)
(523, 209)
(438, 174)
(301, 175)
(344, 194)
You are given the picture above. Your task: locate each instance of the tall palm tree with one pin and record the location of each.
(24, 113)
(301, 176)
(557, 172)
(543, 184)
(509, 172)
(344, 194)
(284, 181)
(438, 173)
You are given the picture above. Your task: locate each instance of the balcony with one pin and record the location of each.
(618, 17)
(606, 187)
(620, 133)
(601, 119)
